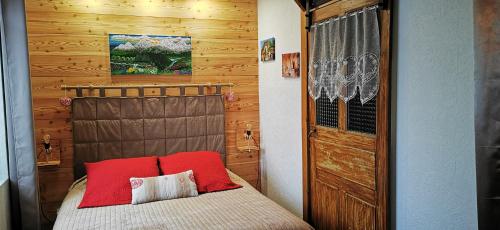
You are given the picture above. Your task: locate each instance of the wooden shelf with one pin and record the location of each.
(54, 163)
(248, 148)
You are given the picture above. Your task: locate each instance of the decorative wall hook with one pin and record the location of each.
(65, 101)
(230, 97)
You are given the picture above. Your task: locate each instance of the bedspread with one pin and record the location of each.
(243, 208)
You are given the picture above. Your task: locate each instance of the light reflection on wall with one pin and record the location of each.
(202, 9)
(93, 3)
(200, 6)
(199, 9)
(149, 7)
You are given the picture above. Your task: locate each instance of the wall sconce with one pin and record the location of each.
(47, 147)
(46, 144)
(52, 152)
(248, 132)
(245, 141)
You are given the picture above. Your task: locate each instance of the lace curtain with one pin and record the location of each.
(344, 57)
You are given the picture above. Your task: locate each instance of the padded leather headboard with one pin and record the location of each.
(108, 128)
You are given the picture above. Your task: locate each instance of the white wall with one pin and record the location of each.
(433, 161)
(280, 109)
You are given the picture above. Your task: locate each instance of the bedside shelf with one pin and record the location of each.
(248, 148)
(48, 163)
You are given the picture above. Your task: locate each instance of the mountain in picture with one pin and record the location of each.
(150, 55)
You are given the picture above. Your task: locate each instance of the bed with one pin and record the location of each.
(123, 127)
(243, 208)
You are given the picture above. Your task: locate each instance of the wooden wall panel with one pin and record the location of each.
(98, 65)
(68, 44)
(244, 10)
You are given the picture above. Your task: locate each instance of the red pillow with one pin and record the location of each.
(108, 181)
(209, 172)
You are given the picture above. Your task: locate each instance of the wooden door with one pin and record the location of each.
(348, 147)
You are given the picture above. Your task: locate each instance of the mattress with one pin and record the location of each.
(243, 208)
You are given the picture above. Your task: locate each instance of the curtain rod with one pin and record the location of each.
(192, 85)
(382, 4)
(324, 5)
(163, 88)
(358, 11)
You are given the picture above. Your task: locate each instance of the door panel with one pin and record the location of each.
(361, 192)
(352, 164)
(359, 214)
(351, 171)
(348, 139)
(347, 147)
(325, 214)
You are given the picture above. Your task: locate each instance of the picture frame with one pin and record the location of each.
(137, 55)
(268, 50)
(290, 65)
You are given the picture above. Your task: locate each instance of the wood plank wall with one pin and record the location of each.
(68, 44)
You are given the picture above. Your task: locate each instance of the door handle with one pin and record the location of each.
(312, 131)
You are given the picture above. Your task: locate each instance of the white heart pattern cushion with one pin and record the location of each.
(165, 187)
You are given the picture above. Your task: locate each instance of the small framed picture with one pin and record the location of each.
(267, 50)
(290, 65)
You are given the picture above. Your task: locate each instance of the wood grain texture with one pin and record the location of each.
(362, 141)
(383, 123)
(68, 44)
(195, 9)
(353, 163)
(342, 119)
(359, 214)
(305, 125)
(327, 215)
(347, 186)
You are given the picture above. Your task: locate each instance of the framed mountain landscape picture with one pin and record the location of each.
(149, 55)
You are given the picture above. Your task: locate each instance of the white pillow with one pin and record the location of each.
(163, 187)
